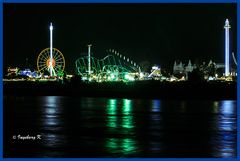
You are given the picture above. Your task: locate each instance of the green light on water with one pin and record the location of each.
(129, 146)
(127, 106)
(112, 145)
(120, 123)
(127, 119)
(124, 146)
(127, 122)
(111, 113)
(112, 122)
(112, 107)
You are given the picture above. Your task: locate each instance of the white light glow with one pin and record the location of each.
(227, 27)
(51, 56)
(89, 60)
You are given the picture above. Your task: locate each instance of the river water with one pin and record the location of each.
(82, 127)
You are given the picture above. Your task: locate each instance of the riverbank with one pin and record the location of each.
(138, 89)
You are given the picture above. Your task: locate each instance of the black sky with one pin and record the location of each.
(158, 33)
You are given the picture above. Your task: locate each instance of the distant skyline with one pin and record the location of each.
(158, 33)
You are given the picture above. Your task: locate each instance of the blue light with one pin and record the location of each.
(156, 106)
(227, 107)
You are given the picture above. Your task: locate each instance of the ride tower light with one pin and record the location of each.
(89, 60)
(51, 56)
(227, 27)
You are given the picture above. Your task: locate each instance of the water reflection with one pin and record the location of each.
(127, 116)
(51, 101)
(215, 107)
(51, 113)
(227, 118)
(102, 127)
(155, 145)
(121, 146)
(52, 122)
(183, 107)
(227, 107)
(226, 126)
(156, 106)
(120, 121)
(112, 113)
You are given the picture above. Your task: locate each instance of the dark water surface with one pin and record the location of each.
(102, 127)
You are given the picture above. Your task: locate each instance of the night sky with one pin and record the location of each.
(157, 33)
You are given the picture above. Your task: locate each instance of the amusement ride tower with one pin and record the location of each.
(227, 27)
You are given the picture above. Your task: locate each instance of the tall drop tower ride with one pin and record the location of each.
(51, 49)
(227, 27)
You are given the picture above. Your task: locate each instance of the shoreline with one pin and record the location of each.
(138, 89)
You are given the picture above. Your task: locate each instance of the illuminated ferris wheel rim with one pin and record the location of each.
(44, 62)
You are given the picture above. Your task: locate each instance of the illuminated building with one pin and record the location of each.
(12, 71)
(180, 68)
(189, 67)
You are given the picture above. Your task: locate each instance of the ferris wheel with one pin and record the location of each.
(44, 63)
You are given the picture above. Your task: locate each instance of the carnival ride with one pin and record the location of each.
(113, 67)
(57, 64)
(51, 60)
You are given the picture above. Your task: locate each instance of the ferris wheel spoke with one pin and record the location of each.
(42, 69)
(60, 63)
(55, 52)
(57, 61)
(61, 60)
(42, 61)
(42, 65)
(44, 57)
(57, 56)
(46, 54)
(58, 67)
